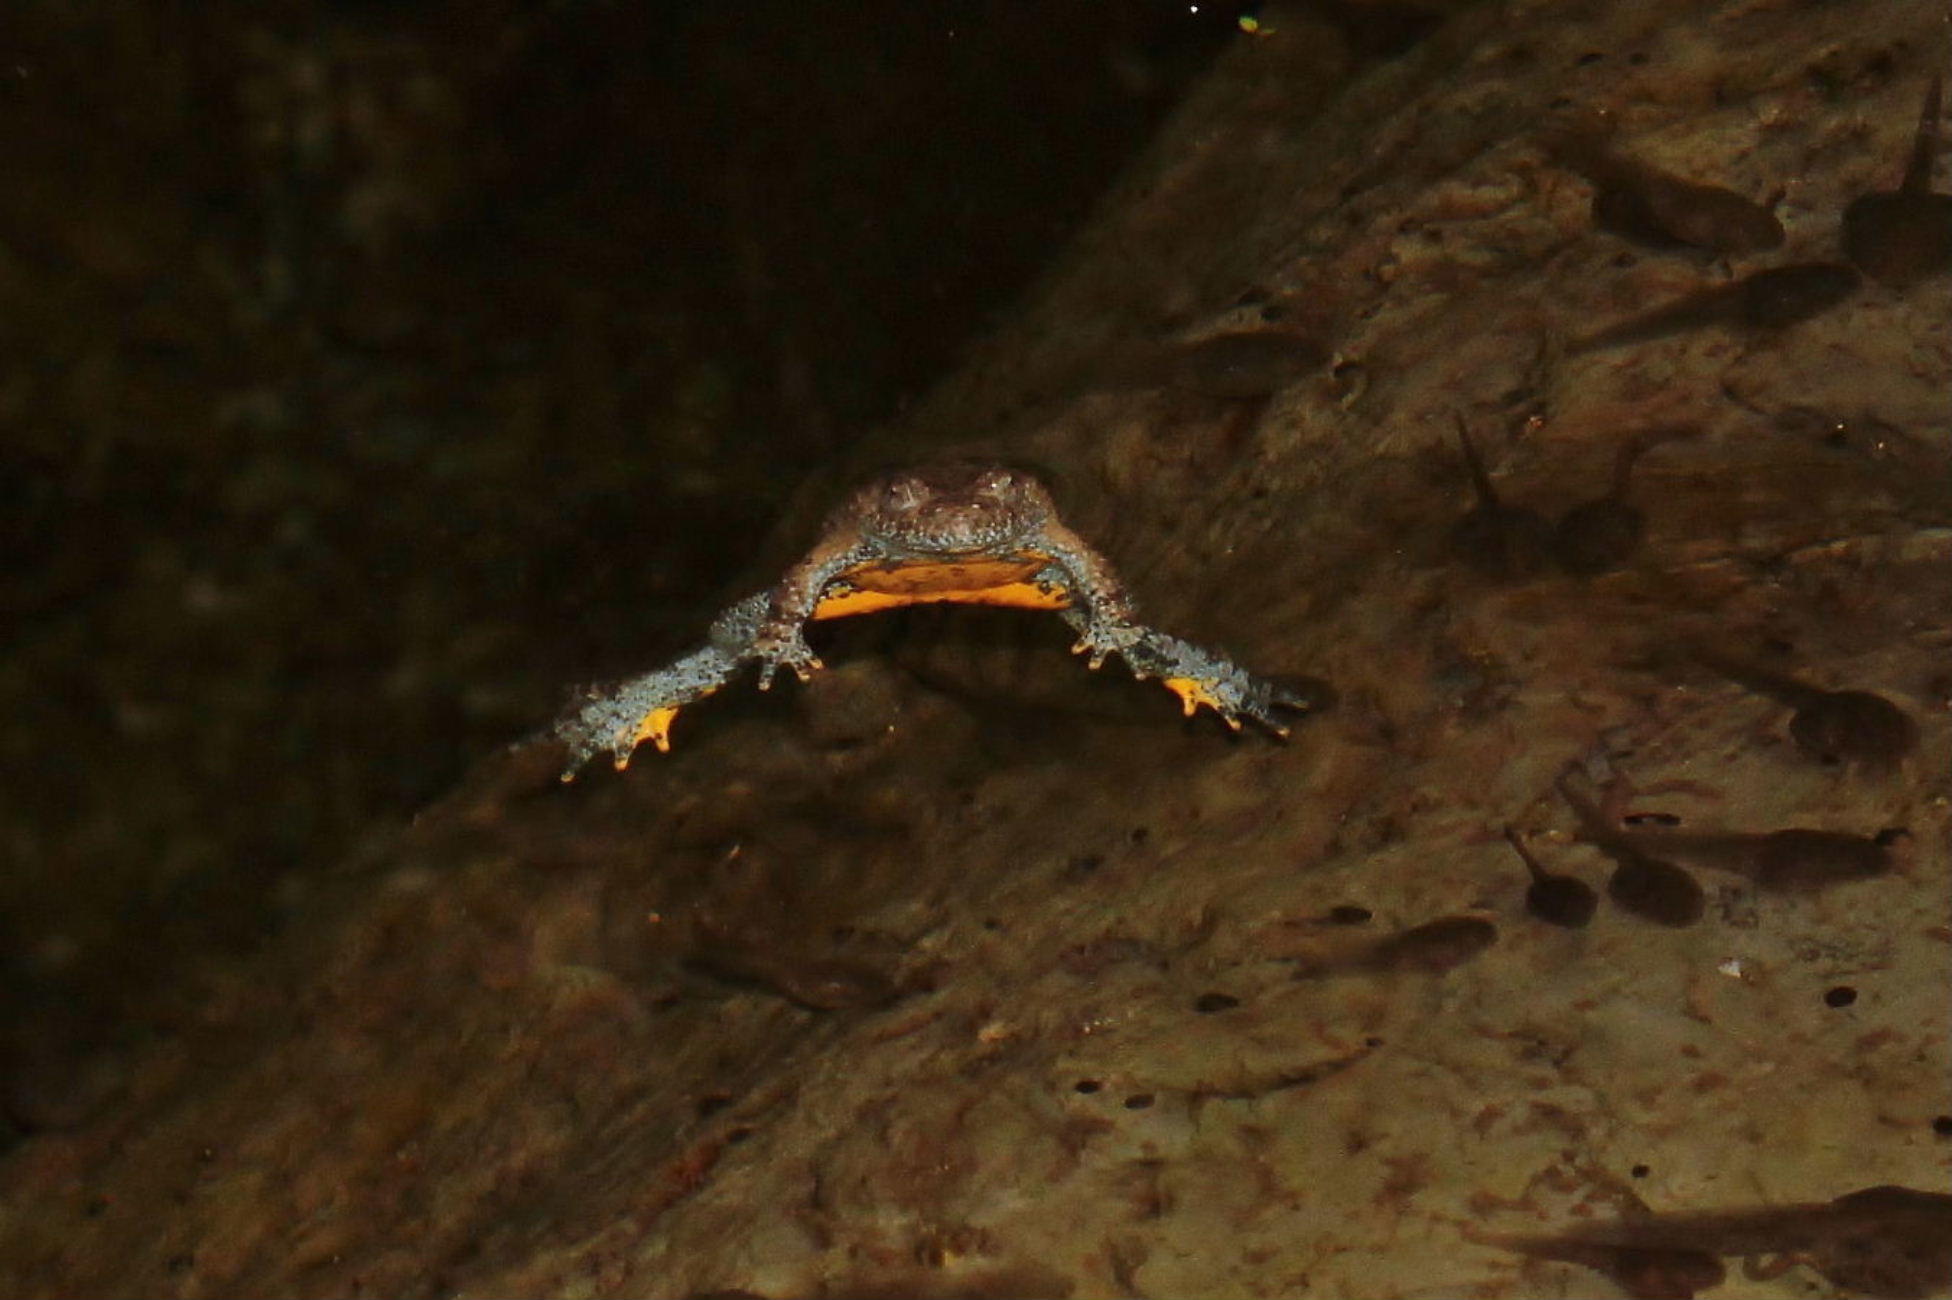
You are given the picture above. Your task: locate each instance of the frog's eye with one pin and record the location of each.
(997, 480)
(903, 494)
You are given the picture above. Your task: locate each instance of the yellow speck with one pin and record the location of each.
(996, 1031)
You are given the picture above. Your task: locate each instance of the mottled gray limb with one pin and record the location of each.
(733, 631)
(1107, 623)
(778, 640)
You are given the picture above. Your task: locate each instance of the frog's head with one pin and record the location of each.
(954, 509)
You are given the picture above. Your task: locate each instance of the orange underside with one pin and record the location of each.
(963, 582)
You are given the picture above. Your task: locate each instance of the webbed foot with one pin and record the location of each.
(1101, 638)
(782, 645)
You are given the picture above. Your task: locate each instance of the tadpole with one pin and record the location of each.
(1558, 900)
(1831, 726)
(1498, 540)
(1901, 236)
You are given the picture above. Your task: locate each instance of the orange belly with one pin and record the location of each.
(966, 582)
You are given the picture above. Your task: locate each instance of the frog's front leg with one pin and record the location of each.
(778, 636)
(1102, 611)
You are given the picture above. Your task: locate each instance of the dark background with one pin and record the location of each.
(371, 372)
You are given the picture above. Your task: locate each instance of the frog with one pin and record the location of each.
(963, 531)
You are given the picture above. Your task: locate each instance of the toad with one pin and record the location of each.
(961, 532)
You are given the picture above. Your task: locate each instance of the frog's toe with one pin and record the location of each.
(1237, 696)
(1223, 697)
(1265, 716)
(600, 727)
(1267, 701)
(654, 726)
(1297, 693)
(784, 649)
(1102, 640)
(802, 666)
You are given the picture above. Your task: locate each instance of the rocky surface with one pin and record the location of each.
(963, 972)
